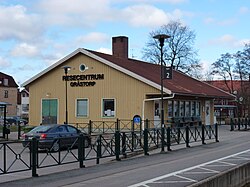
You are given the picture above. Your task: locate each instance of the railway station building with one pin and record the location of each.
(88, 85)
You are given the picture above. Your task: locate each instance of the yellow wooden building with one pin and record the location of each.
(102, 87)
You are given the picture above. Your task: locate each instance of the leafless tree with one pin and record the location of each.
(223, 68)
(178, 50)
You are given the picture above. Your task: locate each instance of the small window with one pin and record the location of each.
(108, 109)
(82, 108)
(6, 94)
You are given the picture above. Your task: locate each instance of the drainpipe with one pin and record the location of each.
(153, 99)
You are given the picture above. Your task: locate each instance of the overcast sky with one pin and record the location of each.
(36, 33)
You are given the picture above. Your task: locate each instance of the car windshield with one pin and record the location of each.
(41, 129)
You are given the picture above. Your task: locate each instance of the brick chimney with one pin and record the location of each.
(120, 46)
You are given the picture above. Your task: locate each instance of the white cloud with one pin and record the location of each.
(105, 50)
(26, 50)
(94, 37)
(4, 63)
(229, 41)
(16, 23)
(149, 16)
(75, 12)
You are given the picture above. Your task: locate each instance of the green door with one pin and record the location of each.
(49, 111)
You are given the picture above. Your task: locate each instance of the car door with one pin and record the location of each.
(63, 134)
(73, 133)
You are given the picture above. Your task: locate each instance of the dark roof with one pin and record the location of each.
(181, 83)
(11, 81)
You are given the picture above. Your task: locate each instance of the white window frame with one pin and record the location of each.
(82, 116)
(102, 108)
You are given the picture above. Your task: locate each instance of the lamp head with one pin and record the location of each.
(161, 38)
(66, 69)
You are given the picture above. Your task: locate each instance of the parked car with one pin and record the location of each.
(14, 120)
(53, 137)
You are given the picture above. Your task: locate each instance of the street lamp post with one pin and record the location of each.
(66, 69)
(161, 38)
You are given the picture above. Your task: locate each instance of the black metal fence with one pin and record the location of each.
(113, 145)
(240, 124)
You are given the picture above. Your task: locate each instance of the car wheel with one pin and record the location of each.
(55, 147)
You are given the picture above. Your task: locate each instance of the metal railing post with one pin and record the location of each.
(162, 139)
(169, 139)
(187, 136)
(90, 127)
(18, 131)
(231, 124)
(117, 145)
(99, 149)
(216, 132)
(33, 157)
(117, 128)
(81, 150)
(145, 133)
(124, 144)
(203, 134)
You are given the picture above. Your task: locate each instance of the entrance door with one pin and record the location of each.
(207, 113)
(157, 119)
(49, 111)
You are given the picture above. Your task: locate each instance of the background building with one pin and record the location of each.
(8, 94)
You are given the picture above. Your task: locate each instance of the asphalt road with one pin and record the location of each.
(180, 167)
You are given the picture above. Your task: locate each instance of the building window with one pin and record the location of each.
(193, 111)
(25, 107)
(198, 108)
(187, 108)
(182, 108)
(82, 107)
(176, 109)
(6, 94)
(170, 108)
(108, 107)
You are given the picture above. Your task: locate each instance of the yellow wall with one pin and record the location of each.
(128, 92)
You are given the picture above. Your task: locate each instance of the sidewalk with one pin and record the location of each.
(67, 174)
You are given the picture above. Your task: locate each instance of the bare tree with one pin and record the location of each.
(178, 49)
(223, 68)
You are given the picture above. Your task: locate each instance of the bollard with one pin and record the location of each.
(33, 156)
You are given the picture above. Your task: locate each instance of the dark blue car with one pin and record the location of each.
(53, 137)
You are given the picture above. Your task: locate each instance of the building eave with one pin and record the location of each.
(104, 61)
